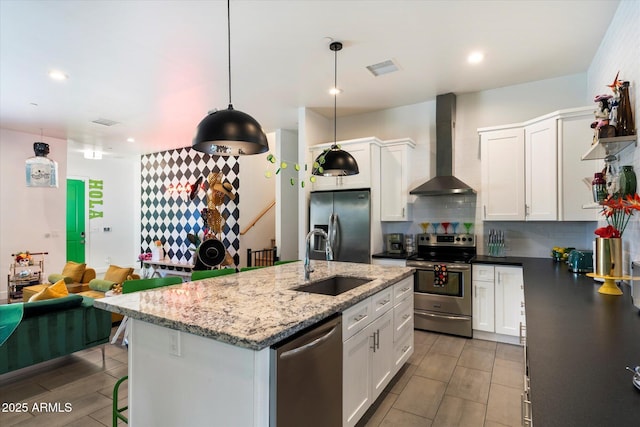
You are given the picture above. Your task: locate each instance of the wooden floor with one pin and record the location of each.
(448, 381)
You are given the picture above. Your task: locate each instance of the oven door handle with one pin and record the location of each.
(440, 316)
(452, 268)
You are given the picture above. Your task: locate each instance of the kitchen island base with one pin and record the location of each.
(195, 381)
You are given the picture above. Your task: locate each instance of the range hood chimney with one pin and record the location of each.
(444, 183)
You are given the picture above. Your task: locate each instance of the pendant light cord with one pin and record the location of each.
(229, 47)
(335, 98)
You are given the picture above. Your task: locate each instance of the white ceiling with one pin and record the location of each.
(157, 67)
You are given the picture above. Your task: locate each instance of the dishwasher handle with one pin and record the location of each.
(310, 345)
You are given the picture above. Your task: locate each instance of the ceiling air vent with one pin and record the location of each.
(384, 67)
(104, 122)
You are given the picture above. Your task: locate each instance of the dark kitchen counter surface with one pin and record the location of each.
(578, 344)
(484, 259)
(403, 255)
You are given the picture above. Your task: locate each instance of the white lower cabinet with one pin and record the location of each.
(498, 301)
(374, 353)
(509, 300)
(356, 377)
(484, 306)
(381, 353)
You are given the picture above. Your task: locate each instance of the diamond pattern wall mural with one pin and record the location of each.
(170, 216)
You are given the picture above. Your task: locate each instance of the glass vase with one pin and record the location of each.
(625, 125)
(599, 187)
(627, 181)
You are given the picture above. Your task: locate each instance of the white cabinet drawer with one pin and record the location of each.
(483, 273)
(402, 318)
(403, 350)
(402, 289)
(381, 302)
(356, 317)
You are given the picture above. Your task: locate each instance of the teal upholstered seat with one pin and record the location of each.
(54, 328)
(10, 317)
(206, 274)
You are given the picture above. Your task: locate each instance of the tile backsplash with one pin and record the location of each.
(522, 238)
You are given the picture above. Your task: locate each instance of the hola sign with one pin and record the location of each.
(95, 198)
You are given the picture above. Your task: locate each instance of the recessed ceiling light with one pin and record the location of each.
(335, 91)
(58, 75)
(131, 140)
(475, 57)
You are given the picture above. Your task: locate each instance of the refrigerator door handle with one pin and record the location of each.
(333, 231)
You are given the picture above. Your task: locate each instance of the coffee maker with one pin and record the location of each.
(395, 243)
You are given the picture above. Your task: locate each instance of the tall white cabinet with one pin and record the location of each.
(532, 171)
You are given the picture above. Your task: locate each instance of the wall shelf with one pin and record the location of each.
(609, 146)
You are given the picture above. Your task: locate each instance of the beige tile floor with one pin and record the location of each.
(448, 381)
(453, 382)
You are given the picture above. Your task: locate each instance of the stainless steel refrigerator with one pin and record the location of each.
(346, 217)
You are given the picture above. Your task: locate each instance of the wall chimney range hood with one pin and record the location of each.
(444, 183)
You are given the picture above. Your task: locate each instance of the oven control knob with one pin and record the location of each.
(470, 238)
(458, 239)
(426, 238)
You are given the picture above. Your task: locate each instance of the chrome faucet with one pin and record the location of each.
(328, 250)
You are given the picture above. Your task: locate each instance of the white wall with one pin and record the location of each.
(32, 219)
(620, 51)
(121, 210)
(257, 193)
(313, 129)
(287, 196)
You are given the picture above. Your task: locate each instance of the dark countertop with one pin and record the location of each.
(578, 344)
(403, 255)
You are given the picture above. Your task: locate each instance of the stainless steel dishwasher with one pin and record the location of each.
(306, 377)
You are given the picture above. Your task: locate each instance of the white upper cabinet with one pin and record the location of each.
(541, 177)
(532, 171)
(366, 152)
(502, 154)
(394, 179)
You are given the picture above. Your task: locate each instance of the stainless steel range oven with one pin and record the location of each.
(442, 284)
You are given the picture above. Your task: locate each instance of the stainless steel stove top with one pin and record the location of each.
(443, 248)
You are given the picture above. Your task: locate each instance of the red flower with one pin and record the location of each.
(607, 232)
(617, 212)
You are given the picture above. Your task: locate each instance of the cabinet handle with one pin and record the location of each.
(484, 207)
(404, 289)
(522, 304)
(384, 302)
(402, 212)
(378, 340)
(359, 317)
(406, 316)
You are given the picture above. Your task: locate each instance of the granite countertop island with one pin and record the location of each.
(211, 340)
(253, 309)
(578, 344)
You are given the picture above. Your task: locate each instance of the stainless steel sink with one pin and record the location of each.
(333, 285)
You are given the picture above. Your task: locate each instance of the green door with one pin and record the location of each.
(75, 220)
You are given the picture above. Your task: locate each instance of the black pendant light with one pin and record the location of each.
(334, 161)
(230, 132)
